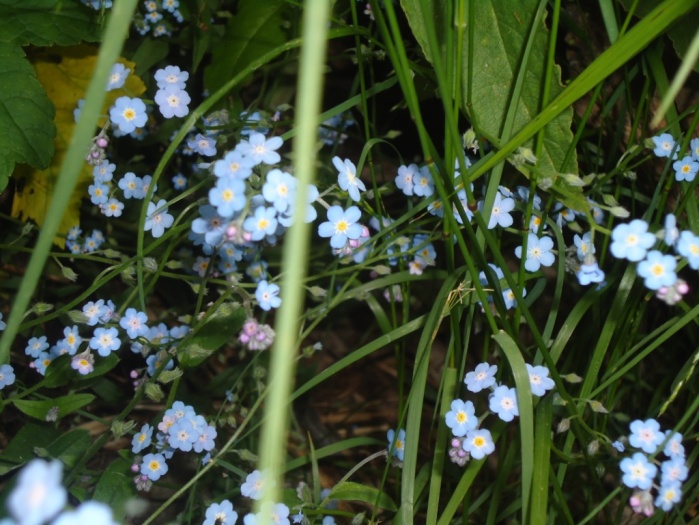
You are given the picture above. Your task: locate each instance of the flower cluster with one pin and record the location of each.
(640, 470)
(256, 336)
(180, 429)
(468, 439)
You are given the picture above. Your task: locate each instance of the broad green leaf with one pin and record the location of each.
(60, 372)
(349, 491)
(255, 29)
(26, 115)
(48, 22)
(21, 448)
(61, 405)
(501, 30)
(115, 487)
(219, 328)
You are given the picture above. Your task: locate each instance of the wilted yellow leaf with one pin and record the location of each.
(65, 74)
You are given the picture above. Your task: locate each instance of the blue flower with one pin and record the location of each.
(672, 470)
(220, 514)
(154, 466)
(589, 273)
(38, 495)
(500, 214)
(266, 295)
(92, 512)
(671, 231)
(172, 101)
(538, 252)
(694, 148)
(638, 471)
(503, 402)
(646, 435)
(262, 223)
(396, 443)
(664, 146)
(619, 446)
(478, 443)
(104, 171)
(112, 208)
(210, 225)
(253, 486)
(539, 380)
(205, 441)
(183, 435)
(128, 114)
(94, 311)
(482, 377)
(142, 439)
(171, 5)
(179, 182)
(157, 218)
(7, 376)
(42, 362)
(688, 246)
(584, 245)
(405, 181)
(347, 178)
(668, 495)
(286, 219)
(105, 341)
(171, 76)
(279, 189)
(252, 124)
(461, 418)
(134, 322)
(228, 196)
(341, 226)
(234, 164)
(685, 169)
(261, 150)
(117, 76)
(631, 241)
(132, 186)
(423, 184)
(99, 193)
(35, 346)
(657, 270)
(673, 448)
(205, 146)
(156, 360)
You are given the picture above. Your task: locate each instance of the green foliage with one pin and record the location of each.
(26, 114)
(219, 327)
(256, 29)
(115, 487)
(52, 409)
(350, 491)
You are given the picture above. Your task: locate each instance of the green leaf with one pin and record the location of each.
(64, 404)
(21, 448)
(26, 115)
(253, 31)
(500, 32)
(115, 487)
(60, 371)
(499, 39)
(69, 447)
(218, 329)
(47, 22)
(349, 491)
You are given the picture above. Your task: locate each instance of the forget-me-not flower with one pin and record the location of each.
(538, 252)
(657, 270)
(631, 241)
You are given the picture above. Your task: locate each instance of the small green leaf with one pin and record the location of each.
(349, 491)
(47, 22)
(254, 30)
(65, 404)
(26, 115)
(219, 328)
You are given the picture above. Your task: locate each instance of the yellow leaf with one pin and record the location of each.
(65, 77)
